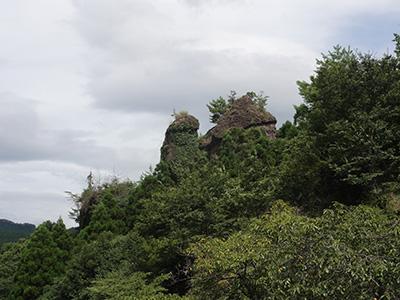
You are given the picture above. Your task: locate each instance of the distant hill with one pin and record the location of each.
(11, 232)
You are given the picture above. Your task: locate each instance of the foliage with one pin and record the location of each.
(217, 108)
(10, 255)
(187, 155)
(300, 175)
(288, 130)
(348, 253)
(109, 213)
(352, 114)
(42, 260)
(118, 286)
(180, 152)
(108, 201)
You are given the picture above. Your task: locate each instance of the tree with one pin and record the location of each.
(43, 260)
(136, 286)
(345, 253)
(10, 256)
(217, 108)
(287, 130)
(352, 114)
(108, 214)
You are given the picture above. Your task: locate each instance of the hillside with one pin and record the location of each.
(248, 211)
(11, 232)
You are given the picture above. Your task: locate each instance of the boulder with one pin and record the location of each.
(243, 113)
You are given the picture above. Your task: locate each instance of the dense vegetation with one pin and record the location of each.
(312, 214)
(11, 232)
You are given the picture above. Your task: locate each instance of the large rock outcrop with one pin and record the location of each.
(180, 136)
(180, 149)
(243, 113)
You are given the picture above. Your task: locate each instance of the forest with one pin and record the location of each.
(310, 211)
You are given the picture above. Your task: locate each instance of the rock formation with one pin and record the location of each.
(180, 149)
(182, 133)
(243, 113)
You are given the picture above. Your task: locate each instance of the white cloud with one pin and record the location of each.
(23, 138)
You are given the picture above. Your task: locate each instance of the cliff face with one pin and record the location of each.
(243, 113)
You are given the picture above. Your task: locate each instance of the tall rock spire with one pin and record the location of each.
(181, 145)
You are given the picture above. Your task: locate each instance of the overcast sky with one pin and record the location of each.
(90, 85)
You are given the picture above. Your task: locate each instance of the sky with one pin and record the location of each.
(90, 85)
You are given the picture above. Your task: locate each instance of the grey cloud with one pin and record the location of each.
(102, 24)
(149, 61)
(158, 55)
(33, 191)
(195, 78)
(200, 3)
(23, 138)
(34, 207)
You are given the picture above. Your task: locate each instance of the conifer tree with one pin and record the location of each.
(43, 259)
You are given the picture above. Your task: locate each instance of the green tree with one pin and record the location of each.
(10, 256)
(345, 253)
(288, 130)
(136, 286)
(217, 108)
(352, 114)
(43, 260)
(88, 260)
(109, 214)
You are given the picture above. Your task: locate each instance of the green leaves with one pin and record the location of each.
(217, 108)
(351, 113)
(42, 260)
(10, 255)
(346, 252)
(118, 286)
